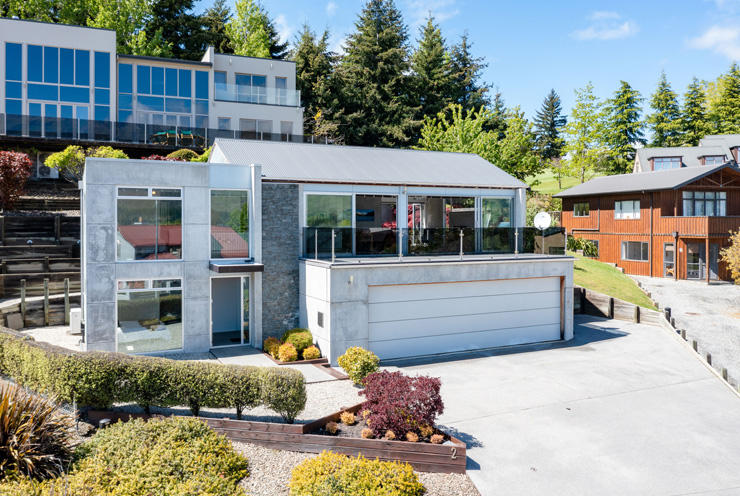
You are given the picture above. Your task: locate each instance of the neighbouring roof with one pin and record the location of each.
(690, 155)
(299, 162)
(645, 181)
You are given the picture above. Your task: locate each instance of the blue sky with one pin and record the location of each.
(534, 46)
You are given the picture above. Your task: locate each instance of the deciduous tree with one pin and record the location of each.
(731, 256)
(15, 168)
(247, 31)
(585, 149)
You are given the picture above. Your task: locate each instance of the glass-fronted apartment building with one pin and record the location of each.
(63, 84)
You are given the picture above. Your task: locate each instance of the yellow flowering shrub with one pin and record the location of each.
(331, 474)
(311, 353)
(287, 353)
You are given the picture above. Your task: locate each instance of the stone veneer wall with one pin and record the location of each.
(280, 252)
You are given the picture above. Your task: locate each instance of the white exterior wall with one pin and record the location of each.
(341, 291)
(61, 36)
(235, 64)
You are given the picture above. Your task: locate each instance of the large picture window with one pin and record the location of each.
(627, 209)
(149, 315)
(635, 251)
(149, 224)
(704, 203)
(229, 224)
(328, 210)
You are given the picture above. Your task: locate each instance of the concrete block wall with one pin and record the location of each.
(280, 253)
(99, 247)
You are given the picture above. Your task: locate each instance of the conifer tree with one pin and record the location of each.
(664, 122)
(725, 112)
(548, 126)
(467, 88)
(694, 119)
(624, 129)
(430, 66)
(375, 104)
(313, 75)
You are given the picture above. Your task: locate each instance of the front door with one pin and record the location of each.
(229, 311)
(669, 260)
(714, 261)
(695, 260)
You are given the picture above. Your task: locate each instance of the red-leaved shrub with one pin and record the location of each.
(400, 403)
(14, 171)
(162, 157)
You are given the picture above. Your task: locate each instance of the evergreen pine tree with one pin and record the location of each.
(179, 26)
(213, 28)
(467, 89)
(430, 66)
(664, 122)
(313, 75)
(624, 129)
(278, 49)
(694, 119)
(725, 112)
(375, 105)
(548, 125)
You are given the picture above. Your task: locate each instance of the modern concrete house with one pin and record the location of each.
(402, 252)
(64, 84)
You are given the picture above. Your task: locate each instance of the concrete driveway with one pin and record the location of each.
(623, 409)
(710, 314)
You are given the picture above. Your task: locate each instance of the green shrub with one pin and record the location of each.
(100, 379)
(183, 154)
(287, 353)
(331, 474)
(163, 457)
(283, 391)
(243, 387)
(203, 157)
(271, 346)
(311, 353)
(299, 338)
(149, 382)
(358, 363)
(590, 249)
(34, 435)
(70, 162)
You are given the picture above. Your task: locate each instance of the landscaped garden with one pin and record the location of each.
(607, 279)
(42, 453)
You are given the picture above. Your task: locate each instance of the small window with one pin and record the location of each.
(627, 209)
(229, 224)
(157, 80)
(51, 65)
(636, 251)
(663, 163)
(149, 316)
(171, 79)
(704, 203)
(714, 160)
(224, 123)
(82, 67)
(580, 209)
(102, 70)
(143, 80)
(13, 61)
(67, 66)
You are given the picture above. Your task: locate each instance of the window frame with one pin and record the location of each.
(249, 256)
(716, 200)
(580, 212)
(621, 215)
(150, 280)
(149, 196)
(643, 245)
(714, 158)
(671, 159)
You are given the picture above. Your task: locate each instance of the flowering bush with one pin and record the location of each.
(300, 338)
(14, 171)
(401, 403)
(271, 346)
(162, 157)
(311, 353)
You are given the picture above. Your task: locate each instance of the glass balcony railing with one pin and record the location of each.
(27, 126)
(349, 242)
(257, 94)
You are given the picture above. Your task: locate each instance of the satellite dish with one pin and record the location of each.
(542, 221)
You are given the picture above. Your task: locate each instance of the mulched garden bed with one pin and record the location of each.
(296, 362)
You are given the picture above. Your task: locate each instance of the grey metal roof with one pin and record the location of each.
(726, 140)
(299, 162)
(690, 155)
(645, 181)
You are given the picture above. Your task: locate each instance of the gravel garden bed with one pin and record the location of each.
(270, 470)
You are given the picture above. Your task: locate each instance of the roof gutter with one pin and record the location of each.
(410, 185)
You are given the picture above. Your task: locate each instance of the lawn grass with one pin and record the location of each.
(603, 278)
(548, 182)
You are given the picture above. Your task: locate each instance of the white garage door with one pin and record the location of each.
(420, 319)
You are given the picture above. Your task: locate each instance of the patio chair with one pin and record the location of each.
(186, 138)
(171, 137)
(159, 138)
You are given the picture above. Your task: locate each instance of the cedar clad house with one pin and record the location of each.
(670, 221)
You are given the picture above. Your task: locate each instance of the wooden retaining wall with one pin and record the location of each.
(593, 303)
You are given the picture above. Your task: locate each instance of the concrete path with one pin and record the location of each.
(710, 313)
(246, 355)
(623, 409)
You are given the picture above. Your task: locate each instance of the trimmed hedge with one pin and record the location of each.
(98, 380)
